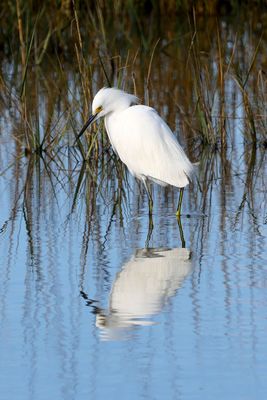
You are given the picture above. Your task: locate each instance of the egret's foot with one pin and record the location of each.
(178, 213)
(179, 207)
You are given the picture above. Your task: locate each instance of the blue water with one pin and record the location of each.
(87, 311)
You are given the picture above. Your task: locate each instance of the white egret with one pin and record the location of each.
(142, 140)
(141, 289)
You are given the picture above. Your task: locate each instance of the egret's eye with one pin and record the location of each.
(98, 109)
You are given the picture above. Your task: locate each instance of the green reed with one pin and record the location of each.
(123, 44)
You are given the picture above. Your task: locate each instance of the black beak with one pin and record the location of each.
(90, 120)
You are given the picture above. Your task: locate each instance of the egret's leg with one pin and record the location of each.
(178, 212)
(150, 230)
(181, 232)
(150, 200)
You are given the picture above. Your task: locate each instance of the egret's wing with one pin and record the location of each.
(145, 143)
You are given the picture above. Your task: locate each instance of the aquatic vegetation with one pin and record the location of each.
(205, 76)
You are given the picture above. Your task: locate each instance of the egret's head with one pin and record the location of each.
(106, 101)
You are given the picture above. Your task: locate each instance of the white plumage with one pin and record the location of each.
(142, 288)
(145, 143)
(142, 140)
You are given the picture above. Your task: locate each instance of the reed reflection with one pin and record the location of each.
(141, 290)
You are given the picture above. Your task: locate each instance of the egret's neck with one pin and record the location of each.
(115, 111)
(120, 104)
(111, 116)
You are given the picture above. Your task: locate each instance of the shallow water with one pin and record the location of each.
(88, 311)
(96, 300)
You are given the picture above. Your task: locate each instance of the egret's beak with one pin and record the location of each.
(90, 120)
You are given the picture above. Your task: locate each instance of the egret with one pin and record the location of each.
(141, 289)
(142, 140)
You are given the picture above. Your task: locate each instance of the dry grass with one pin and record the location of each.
(200, 74)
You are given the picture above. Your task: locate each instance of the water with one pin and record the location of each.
(86, 311)
(95, 301)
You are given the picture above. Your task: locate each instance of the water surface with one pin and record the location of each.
(95, 301)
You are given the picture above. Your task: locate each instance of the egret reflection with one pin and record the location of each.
(141, 289)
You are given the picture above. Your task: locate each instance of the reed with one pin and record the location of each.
(60, 58)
